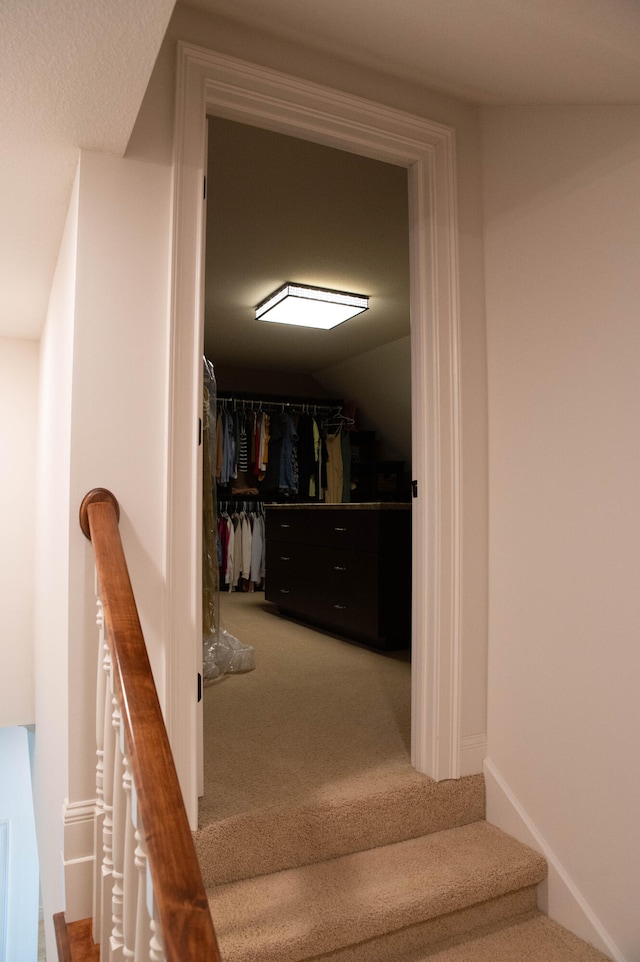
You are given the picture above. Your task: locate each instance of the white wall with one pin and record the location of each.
(379, 381)
(118, 441)
(103, 424)
(18, 419)
(562, 207)
(51, 582)
(119, 405)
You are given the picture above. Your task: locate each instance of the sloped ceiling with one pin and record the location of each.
(74, 74)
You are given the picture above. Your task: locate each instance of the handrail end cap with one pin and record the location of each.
(96, 494)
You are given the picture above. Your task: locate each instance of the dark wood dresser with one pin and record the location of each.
(345, 568)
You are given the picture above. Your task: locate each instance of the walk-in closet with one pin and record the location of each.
(307, 460)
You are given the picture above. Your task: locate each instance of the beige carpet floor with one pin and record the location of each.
(316, 716)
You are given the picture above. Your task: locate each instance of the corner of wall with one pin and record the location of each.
(558, 896)
(473, 749)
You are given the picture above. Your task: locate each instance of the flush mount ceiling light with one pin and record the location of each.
(310, 306)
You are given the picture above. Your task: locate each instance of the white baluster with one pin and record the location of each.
(143, 930)
(130, 870)
(101, 685)
(156, 947)
(107, 830)
(118, 837)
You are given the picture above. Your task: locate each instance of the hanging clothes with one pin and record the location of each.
(242, 545)
(307, 455)
(257, 549)
(263, 444)
(242, 442)
(282, 466)
(284, 455)
(228, 468)
(334, 487)
(223, 546)
(219, 462)
(345, 446)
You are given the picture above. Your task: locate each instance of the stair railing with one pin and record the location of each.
(149, 901)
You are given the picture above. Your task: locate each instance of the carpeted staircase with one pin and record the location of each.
(317, 838)
(409, 873)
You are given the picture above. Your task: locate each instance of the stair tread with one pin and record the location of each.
(536, 939)
(389, 808)
(74, 940)
(301, 912)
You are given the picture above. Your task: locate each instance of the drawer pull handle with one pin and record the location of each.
(340, 607)
(339, 529)
(284, 557)
(284, 591)
(339, 567)
(283, 525)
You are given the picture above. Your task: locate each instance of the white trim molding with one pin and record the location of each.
(212, 83)
(559, 896)
(78, 819)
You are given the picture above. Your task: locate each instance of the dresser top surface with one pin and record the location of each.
(356, 506)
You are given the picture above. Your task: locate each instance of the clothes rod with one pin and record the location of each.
(302, 406)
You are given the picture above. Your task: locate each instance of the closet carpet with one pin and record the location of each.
(317, 716)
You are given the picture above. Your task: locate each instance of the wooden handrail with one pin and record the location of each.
(183, 910)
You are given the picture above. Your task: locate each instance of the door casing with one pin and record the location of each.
(212, 83)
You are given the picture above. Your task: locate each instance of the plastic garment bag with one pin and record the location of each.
(222, 652)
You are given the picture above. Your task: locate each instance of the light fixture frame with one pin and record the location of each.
(357, 303)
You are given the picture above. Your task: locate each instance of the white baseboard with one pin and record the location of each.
(473, 749)
(558, 896)
(78, 857)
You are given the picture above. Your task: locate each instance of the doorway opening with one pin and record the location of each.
(280, 208)
(227, 87)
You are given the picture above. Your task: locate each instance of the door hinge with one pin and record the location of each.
(199, 687)
(414, 489)
(199, 431)
(204, 189)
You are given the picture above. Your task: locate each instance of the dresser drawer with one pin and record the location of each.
(353, 571)
(324, 526)
(346, 614)
(345, 570)
(339, 611)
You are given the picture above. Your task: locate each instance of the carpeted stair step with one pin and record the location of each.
(354, 816)
(365, 906)
(533, 937)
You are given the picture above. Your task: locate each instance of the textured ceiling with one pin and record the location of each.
(74, 74)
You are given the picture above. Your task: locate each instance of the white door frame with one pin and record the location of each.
(209, 82)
